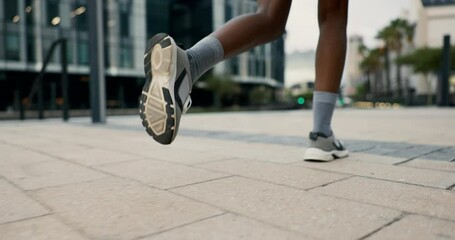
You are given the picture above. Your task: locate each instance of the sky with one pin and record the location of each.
(366, 17)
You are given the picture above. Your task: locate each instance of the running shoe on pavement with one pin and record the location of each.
(324, 148)
(166, 93)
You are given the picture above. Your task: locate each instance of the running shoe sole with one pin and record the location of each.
(158, 110)
(318, 155)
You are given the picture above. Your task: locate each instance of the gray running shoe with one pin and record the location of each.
(324, 149)
(166, 93)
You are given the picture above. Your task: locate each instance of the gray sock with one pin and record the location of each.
(323, 106)
(204, 55)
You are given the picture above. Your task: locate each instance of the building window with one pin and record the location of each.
(125, 13)
(31, 47)
(228, 11)
(234, 64)
(126, 57)
(69, 51)
(12, 46)
(82, 52)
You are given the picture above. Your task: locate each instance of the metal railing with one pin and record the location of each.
(37, 87)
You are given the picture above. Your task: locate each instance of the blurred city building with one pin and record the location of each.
(353, 74)
(29, 27)
(432, 19)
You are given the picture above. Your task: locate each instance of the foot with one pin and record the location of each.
(166, 93)
(324, 149)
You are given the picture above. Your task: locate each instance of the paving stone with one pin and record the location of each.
(43, 146)
(379, 151)
(186, 157)
(160, 174)
(263, 152)
(416, 176)
(445, 154)
(226, 227)
(374, 158)
(417, 228)
(276, 173)
(430, 164)
(358, 146)
(15, 205)
(47, 174)
(197, 144)
(119, 209)
(426, 201)
(297, 210)
(413, 151)
(41, 228)
(13, 155)
(94, 156)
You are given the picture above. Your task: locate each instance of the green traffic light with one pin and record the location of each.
(301, 100)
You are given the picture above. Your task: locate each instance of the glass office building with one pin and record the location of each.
(29, 27)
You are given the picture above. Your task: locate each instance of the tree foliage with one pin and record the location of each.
(371, 61)
(425, 60)
(222, 86)
(393, 36)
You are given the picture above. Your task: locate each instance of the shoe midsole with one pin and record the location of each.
(165, 80)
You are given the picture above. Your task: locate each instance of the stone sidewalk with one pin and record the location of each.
(230, 176)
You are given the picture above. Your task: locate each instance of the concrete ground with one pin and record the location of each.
(230, 176)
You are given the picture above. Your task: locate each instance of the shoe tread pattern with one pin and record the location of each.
(157, 118)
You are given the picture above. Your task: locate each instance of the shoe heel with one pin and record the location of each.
(162, 57)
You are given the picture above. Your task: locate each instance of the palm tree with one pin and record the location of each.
(371, 64)
(403, 30)
(393, 36)
(386, 35)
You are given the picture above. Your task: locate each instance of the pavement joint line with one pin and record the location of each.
(181, 225)
(387, 207)
(397, 219)
(66, 184)
(322, 194)
(252, 137)
(26, 193)
(27, 218)
(49, 209)
(421, 155)
(382, 179)
(451, 187)
(239, 214)
(108, 173)
(194, 183)
(98, 170)
(58, 218)
(431, 169)
(364, 149)
(118, 162)
(299, 189)
(400, 149)
(329, 183)
(216, 161)
(274, 183)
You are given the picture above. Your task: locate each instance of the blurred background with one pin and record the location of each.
(396, 55)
